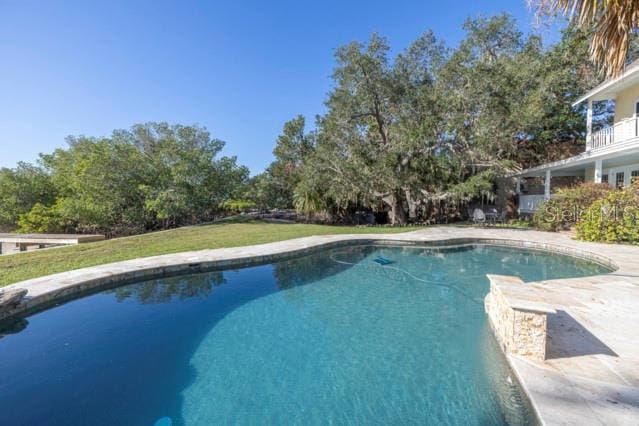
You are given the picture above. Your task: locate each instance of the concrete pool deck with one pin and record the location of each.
(591, 374)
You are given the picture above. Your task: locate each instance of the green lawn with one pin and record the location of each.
(14, 268)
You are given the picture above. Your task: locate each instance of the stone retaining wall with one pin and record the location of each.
(518, 320)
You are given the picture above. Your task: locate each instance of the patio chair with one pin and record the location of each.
(479, 216)
(495, 216)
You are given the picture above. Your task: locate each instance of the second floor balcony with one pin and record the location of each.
(623, 131)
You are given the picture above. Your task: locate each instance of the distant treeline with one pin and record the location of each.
(153, 176)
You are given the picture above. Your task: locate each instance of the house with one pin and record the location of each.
(611, 155)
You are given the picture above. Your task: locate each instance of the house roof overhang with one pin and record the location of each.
(620, 153)
(611, 87)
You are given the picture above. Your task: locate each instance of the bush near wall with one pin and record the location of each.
(563, 210)
(614, 218)
(238, 206)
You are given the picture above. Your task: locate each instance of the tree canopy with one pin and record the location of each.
(415, 134)
(152, 176)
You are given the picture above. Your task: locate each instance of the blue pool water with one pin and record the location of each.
(332, 337)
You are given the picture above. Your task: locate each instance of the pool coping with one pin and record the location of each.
(540, 381)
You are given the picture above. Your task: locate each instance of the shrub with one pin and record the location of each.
(614, 218)
(40, 219)
(238, 205)
(563, 210)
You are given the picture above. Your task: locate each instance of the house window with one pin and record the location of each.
(604, 178)
(620, 177)
(634, 176)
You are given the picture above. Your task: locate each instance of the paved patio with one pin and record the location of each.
(591, 375)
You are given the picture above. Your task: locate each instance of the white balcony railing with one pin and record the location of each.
(530, 203)
(621, 131)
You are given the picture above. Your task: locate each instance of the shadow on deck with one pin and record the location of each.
(568, 338)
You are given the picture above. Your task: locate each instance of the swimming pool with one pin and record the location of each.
(328, 337)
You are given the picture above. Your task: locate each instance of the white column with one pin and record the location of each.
(598, 171)
(589, 124)
(547, 185)
(518, 185)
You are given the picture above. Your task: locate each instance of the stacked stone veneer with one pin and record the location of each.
(519, 321)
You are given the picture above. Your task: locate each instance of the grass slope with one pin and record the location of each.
(18, 267)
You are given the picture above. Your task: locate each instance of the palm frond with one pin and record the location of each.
(612, 21)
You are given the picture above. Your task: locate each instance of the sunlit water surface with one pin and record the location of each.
(331, 337)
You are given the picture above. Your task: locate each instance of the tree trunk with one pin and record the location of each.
(412, 204)
(397, 215)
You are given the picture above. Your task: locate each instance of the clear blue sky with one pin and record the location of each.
(240, 68)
